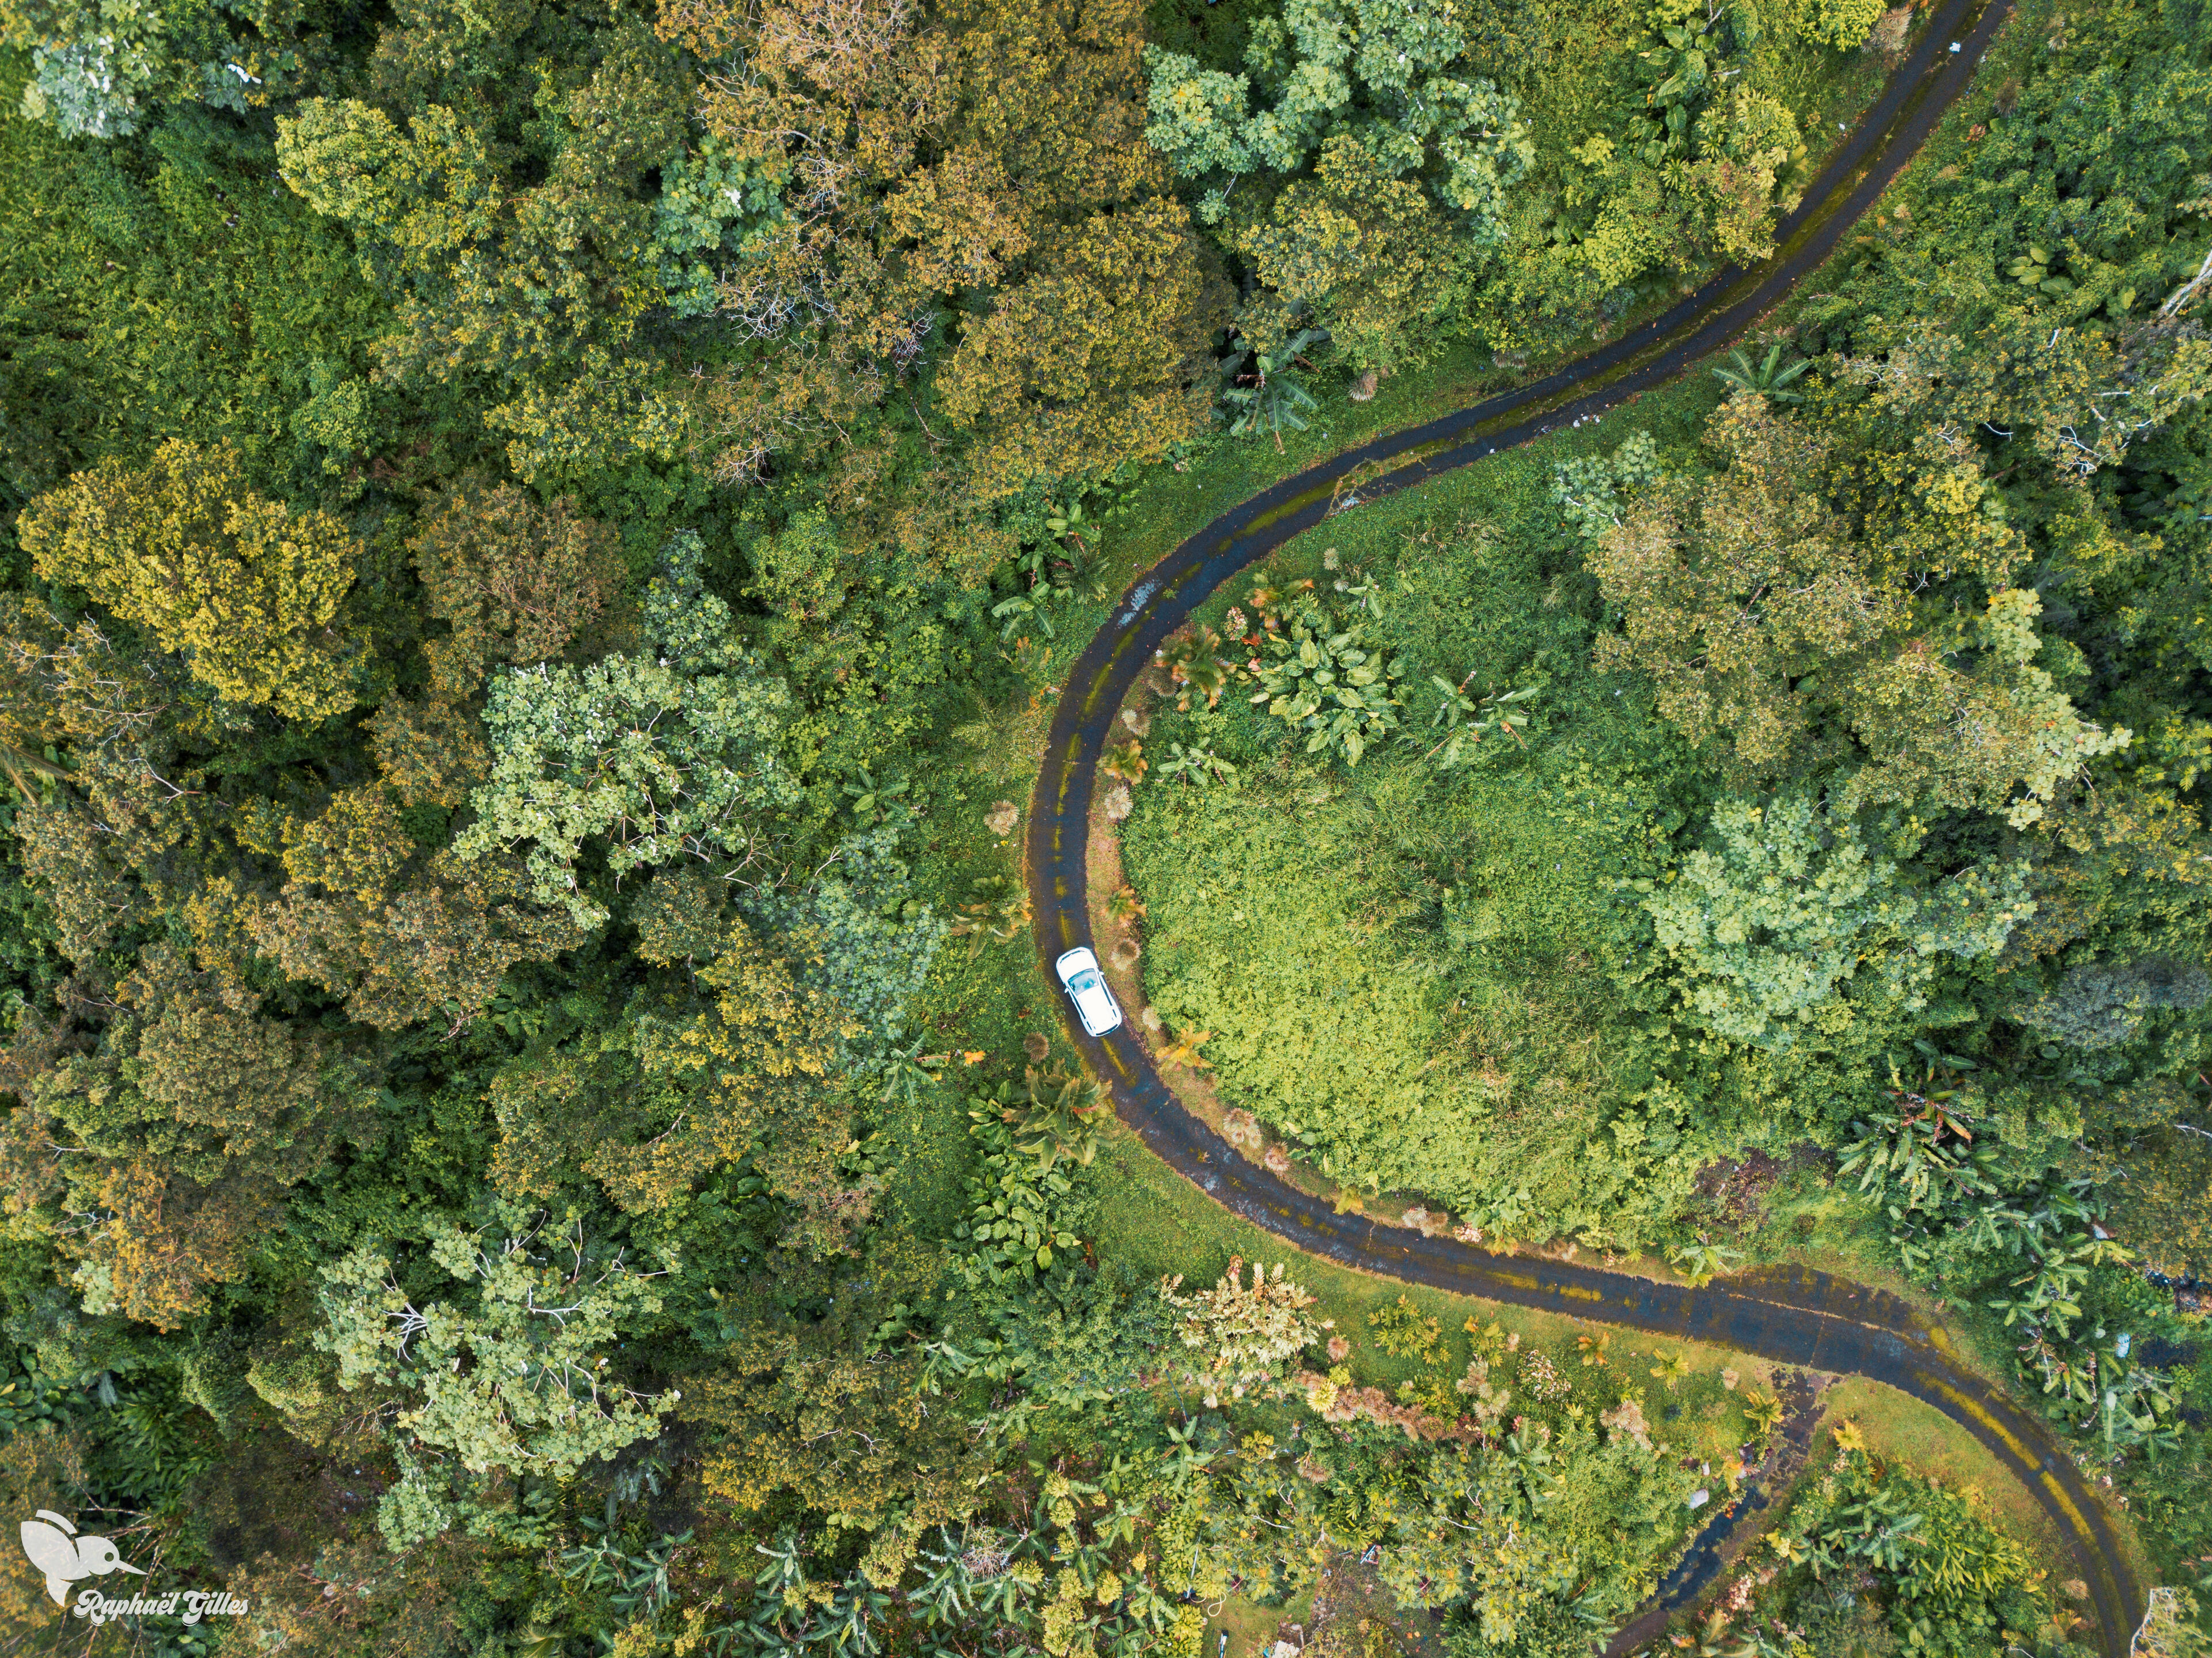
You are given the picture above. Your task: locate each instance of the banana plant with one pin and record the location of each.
(1767, 377)
(2035, 270)
(1183, 1051)
(1195, 764)
(945, 1596)
(1877, 1531)
(639, 1582)
(1186, 1456)
(1000, 1599)
(854, 1616)
(1069, 523)
(1920, 1156)
(1366, 592)
(2137, 1408)
(1266, 399)
(866, 800)
(907, 1070)
(1270, 405)
(1464, 720)
(1703, 1259)
(1053, 565)
(1016, 613)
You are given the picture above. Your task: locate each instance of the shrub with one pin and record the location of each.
(1241, 1332)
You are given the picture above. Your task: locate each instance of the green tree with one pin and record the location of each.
(100, 68)
(1367, 255)
(862, 936)
(404, 934)
(1389, 76)
(1591, 492)
(2100, 1005)
(1840, 23)
(741, 1067)
(662, 766)
(668, 756)
(713, 205)
(512, 1376)
(1764, 624)
(1790, 927)
(2159, 1181)
(1071, 1339)
(157, 289)
(1093, 360)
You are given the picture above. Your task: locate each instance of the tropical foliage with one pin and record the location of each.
(539, 549)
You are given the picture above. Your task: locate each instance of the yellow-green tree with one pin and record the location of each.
(1368, 255)
(993, 155)
(531, 263)
(1090, 361)
(246, 588)
(1784, 641)
(404, 933)
(748, 1071)
(724, 1057)
(187, 1118)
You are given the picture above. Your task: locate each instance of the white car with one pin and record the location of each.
(1087, 987)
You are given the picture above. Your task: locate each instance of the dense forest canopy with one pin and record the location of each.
(536, 543)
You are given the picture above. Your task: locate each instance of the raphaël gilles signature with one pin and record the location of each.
(191, 1605)
(54, 1548)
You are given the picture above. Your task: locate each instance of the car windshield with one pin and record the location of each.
(1084, 980)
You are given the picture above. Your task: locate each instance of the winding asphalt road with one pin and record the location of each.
(1809, 1320)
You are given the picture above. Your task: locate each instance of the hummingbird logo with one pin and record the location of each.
(56, 1550)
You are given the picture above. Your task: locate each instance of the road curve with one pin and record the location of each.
(1807, 1319)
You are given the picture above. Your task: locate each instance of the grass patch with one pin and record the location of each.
(1413, 974)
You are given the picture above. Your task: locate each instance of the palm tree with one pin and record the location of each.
(1763, 1410)
(1125, 763)
(1062, 1118)
(1184, 1051)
